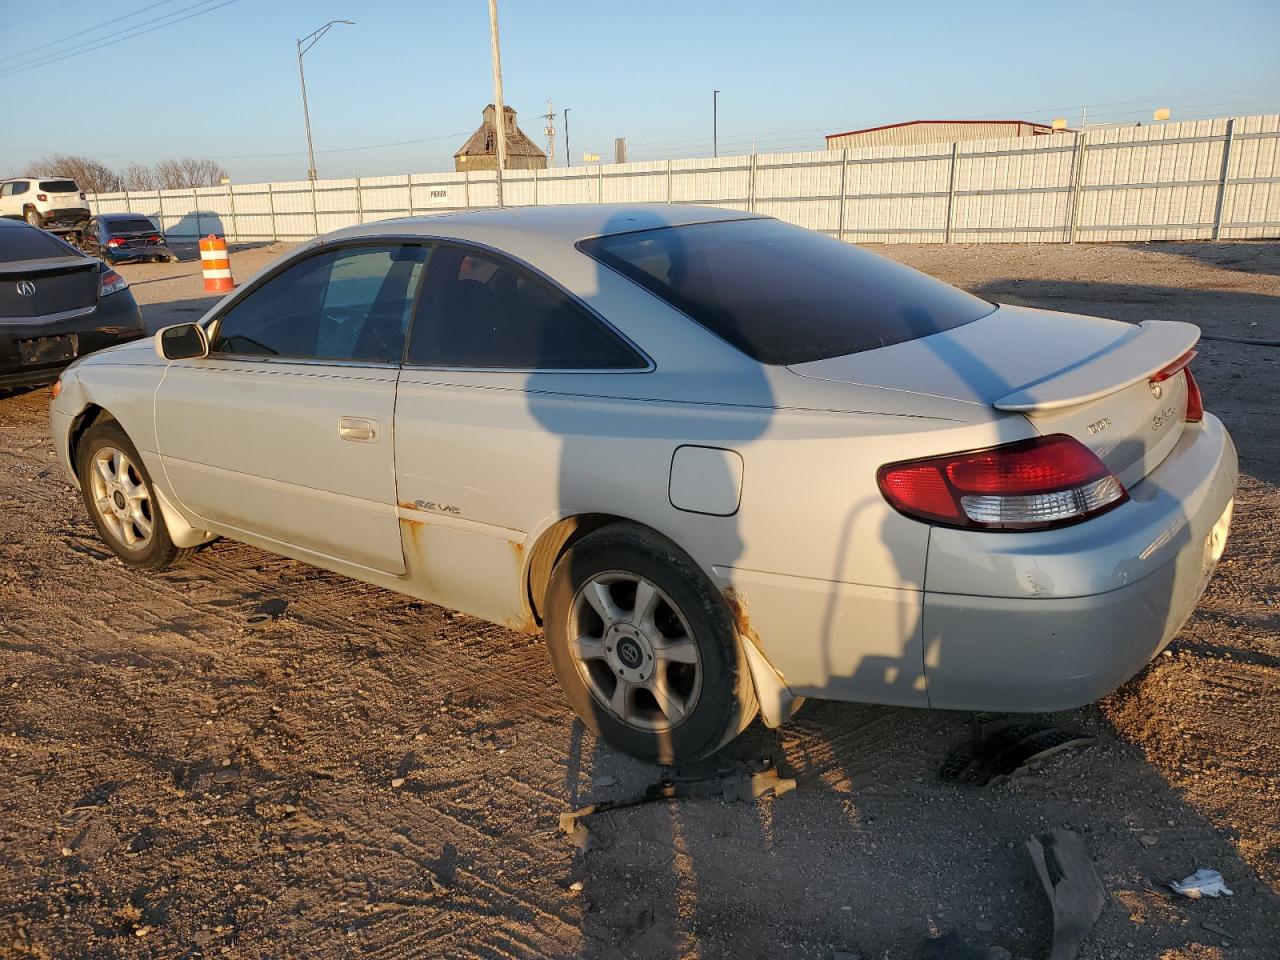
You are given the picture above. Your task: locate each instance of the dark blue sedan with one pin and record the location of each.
(125, 238)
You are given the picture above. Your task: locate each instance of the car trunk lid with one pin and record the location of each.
(1086, 377)
(52, 286)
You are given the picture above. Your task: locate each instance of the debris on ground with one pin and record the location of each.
(1073, 886)
(265, 613)
(1202, 883)
(739, 782)
(998, 751)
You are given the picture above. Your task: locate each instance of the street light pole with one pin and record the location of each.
(501, 114)
(310, 41)
(715, 123)
(568, 157)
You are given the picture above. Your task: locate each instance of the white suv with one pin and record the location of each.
(54, 203)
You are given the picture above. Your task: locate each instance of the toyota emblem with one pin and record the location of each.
(26, 288)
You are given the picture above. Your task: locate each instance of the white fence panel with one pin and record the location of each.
(1198, 179)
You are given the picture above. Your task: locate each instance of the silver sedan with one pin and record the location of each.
(722, 462)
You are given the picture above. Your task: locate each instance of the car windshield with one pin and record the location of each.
(59, 186)
(136, 225)
(782, 294)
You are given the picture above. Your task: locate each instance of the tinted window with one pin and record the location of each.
(350, 304)
(59, 186)
(138, 225)
(28, 243)
(478, 311)
(782, 294)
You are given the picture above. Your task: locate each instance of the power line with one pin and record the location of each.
(95, 45)
(97, 26)
(43, 13)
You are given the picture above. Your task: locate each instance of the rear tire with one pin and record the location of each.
(645, 648)
(121, 499)
(33, 217)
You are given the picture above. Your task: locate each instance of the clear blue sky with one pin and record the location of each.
(225, 84)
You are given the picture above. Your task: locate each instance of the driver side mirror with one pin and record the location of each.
(182, 341)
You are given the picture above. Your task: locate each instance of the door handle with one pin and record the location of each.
(358, 429)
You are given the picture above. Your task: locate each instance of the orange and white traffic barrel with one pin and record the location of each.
(216, 264)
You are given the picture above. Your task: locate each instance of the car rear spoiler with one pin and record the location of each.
(1141, 353)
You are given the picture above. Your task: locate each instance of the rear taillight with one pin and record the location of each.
(1195, 403)
(82, 196)
(42, 197)
(116, 242)
(154, 238)
(111, 282)
(1029, 485)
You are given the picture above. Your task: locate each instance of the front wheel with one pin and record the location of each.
(121, 499)
(645, 648)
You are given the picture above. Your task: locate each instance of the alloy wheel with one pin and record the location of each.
(635, 651)
(122, 498)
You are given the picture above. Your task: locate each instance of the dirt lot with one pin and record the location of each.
(375, 777)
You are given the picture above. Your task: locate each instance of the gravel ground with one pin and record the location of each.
(371, 776)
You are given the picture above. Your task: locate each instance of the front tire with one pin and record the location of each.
(121, 499)
(645, 648)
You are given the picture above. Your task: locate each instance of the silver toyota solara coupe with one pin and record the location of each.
(723, 462)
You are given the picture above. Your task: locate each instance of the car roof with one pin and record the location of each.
(568, 223)
(108, 217)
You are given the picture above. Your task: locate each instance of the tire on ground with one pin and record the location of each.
(158, 552)
(726, 703)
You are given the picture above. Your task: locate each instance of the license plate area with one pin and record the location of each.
(48, 349)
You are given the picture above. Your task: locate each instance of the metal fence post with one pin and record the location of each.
(535, 186)
(360, 202)
(1222, 182)
(195, 205)
(668, 181)
(1077, 185)
(235, 226)
(751, 186)
(466, 188)
(271, 205)
(315, 213)
(600, 184)
(951, 192)
(408, 179)
(844, 191)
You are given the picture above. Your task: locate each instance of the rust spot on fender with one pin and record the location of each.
(738, 610)
(406, 506)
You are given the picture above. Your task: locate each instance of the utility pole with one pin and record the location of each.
(568, 157)
(501, 114)
(550, 131)
(715, 123)
(310, 41)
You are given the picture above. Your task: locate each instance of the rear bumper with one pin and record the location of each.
(117, 319)
(66, 215)
(132, 254)
(1053, 620)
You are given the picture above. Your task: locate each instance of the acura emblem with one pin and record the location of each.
(26, 288)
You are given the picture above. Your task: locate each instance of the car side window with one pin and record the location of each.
(478, 310)
(20, 187)
(6, 189)
(352, 303)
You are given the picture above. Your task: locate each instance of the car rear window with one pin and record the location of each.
(59, 186)
(28, 243)
(782, 294)
(130, 226)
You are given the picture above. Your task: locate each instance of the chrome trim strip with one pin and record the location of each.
(52, 317)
